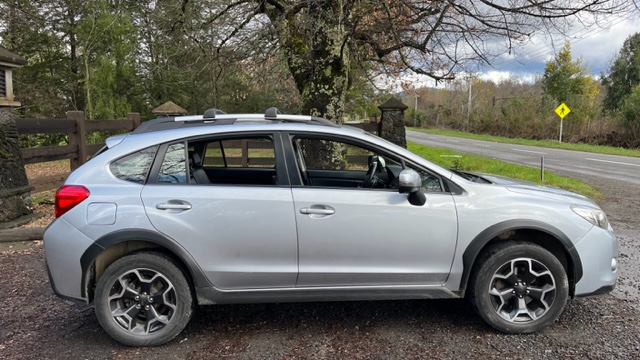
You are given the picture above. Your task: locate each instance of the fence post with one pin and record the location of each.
(78, 138)
(135, 119)
(245, 152)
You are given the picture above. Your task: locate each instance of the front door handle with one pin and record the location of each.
(174, 205)
(318, 210)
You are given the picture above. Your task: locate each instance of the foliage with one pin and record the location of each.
(324, 57)
(107, 39)
(630, 110)
(568, 81)
(564, 78)
(624, 73)
(112, 57)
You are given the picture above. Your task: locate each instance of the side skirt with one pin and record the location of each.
(212, 295)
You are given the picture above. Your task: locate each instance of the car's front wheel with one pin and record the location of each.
(519, 287)
(143, 299)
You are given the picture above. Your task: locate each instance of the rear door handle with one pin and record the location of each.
(318, 210)
(174, 205)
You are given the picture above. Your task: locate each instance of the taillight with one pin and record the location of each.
(68, 196)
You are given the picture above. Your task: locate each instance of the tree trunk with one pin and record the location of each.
(319, 59)
(77, 94)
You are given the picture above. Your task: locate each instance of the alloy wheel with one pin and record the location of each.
(142, 301)
(522, 290)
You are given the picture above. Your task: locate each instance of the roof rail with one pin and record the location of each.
(273, 114)
(219, 117)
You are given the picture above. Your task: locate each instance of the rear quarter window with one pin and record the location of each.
(134, 167)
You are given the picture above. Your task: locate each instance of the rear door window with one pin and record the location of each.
(173, 169)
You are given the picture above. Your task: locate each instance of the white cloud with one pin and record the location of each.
(596, 45)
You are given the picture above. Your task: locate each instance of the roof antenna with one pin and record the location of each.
(211, 113)
(271, 113)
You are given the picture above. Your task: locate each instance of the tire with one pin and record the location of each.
(518, 287)
(156, 307)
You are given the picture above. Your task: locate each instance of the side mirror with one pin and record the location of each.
(411, 183)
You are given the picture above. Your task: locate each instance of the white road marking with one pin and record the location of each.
(529, 151)
(613, 162)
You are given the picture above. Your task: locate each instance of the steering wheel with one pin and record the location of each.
(370, 178)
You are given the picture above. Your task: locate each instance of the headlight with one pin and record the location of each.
(595, 216)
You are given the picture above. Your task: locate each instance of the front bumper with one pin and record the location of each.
(63, 247)
(598, 250)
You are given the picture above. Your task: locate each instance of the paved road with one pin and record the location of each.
(622, 168)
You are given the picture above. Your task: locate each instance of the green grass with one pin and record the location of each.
(451, 159)
(541, 143)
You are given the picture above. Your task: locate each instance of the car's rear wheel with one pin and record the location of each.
(143, 299)
(519, 287)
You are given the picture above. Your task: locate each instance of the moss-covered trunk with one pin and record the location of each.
(314, 43)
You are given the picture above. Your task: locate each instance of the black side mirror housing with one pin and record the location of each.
(417, 198)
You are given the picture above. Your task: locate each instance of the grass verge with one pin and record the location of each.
(540, 143)
(451, 159)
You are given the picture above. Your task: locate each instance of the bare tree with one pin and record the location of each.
(325, 41)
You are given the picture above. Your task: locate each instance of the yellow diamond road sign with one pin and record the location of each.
(563, 110)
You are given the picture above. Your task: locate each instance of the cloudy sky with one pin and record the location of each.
(597, 45)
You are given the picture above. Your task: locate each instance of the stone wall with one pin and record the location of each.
(14, 186)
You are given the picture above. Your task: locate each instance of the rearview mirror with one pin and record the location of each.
(409, 182)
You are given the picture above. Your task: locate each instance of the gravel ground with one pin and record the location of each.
(35, 324)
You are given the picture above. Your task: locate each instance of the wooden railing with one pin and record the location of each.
(76, 127)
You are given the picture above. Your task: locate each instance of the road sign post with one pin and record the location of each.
(562, 111)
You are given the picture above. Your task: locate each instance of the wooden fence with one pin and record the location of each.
(76, 127)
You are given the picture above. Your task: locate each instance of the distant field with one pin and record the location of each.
(541, 143)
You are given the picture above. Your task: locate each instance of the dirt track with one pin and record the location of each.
(34, 324)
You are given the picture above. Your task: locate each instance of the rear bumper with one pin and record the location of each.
(80, 301)
(598, 251)
(63, 247)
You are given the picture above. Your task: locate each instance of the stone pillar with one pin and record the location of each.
(15, 192)
(392, 122)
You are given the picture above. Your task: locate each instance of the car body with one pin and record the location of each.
(243, 208)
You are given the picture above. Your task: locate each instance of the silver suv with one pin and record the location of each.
(242, 208)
